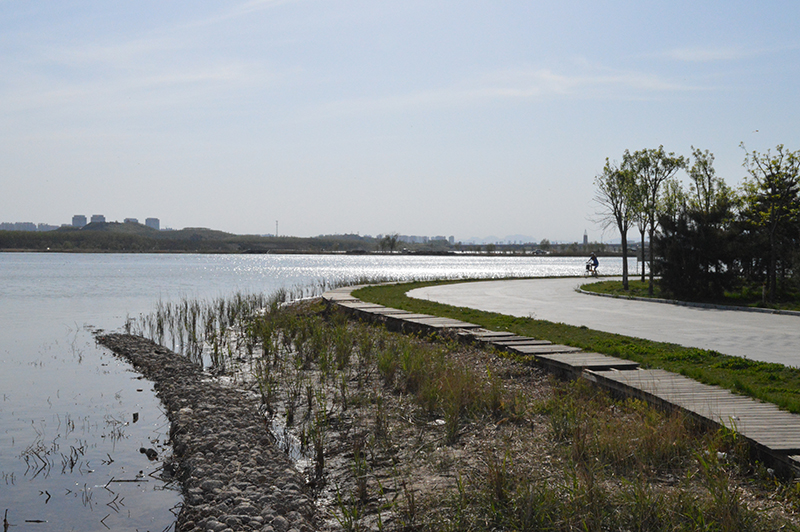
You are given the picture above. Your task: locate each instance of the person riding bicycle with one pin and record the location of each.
(591, 264)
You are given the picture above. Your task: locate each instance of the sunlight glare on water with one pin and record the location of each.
(66, 417)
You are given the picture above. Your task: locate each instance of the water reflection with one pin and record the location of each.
(69, 446)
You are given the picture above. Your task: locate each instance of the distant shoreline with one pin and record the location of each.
(305, 252)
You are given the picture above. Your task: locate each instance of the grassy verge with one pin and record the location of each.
(747, 297)
(769, 382)
(400, 433)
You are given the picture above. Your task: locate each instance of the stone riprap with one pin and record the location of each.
(232, 474)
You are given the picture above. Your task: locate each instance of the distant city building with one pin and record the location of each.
(26, 226)
(585, 238)
(98, 219)
(79, 220)
(451, 240)
(413, 239)
(131, 221)
(18, 226)
(153, 223)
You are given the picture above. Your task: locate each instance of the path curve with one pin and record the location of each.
(765, 337)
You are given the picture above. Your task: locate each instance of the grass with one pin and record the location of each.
(745, 297)
(410, 433)
(611, 455)
(619, 457)
(769, 382)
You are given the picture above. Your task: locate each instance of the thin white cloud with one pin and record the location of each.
(536, 84)
(157, 89)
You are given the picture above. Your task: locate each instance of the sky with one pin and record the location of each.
(464, 118)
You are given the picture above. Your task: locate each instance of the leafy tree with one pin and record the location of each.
(653, 167)
(694, 244)
(389, 242)
(616, 193)
(708, 193)
(772, 206)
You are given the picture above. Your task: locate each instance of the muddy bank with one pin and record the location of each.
(233, 476)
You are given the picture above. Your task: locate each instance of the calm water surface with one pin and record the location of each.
(69, 448)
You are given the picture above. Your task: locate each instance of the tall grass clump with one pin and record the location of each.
(207, 332)
(628, 436)
(624, 466)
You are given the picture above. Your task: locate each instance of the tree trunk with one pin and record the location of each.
(771, 274)
(624, 259)
(652, 251)
(641, 231)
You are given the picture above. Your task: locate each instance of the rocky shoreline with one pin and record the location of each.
(233, 476)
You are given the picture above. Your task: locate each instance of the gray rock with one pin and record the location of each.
(280, 524)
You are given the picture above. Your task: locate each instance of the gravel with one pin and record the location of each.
(233, 476)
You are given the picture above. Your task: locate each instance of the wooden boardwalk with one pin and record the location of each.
(774, 433)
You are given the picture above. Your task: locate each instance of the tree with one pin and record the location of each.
(707, 192)
(653, 167)
(773, 205)
(616, 195)
(695, 260)
(390, 242)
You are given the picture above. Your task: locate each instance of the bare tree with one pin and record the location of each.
(616, 195)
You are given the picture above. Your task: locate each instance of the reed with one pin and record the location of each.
(613, 465)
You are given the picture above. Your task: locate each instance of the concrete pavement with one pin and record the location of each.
(757, 336)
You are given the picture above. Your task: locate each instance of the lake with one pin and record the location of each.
(73, 417)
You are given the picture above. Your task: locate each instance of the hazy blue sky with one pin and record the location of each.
(465, 118)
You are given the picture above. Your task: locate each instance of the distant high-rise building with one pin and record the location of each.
(153, 222)
(79, 220)
(131, 221)
(26, 226)
(585, 238)
(98, 219)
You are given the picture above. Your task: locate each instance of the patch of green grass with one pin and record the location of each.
(745, 297)
(769, 382)
(635, 288)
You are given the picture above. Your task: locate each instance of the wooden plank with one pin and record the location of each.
(482, 334)
(409, 316)
(386, 311)
(542, 349)
(596, 361)
(360, 305)
(762, 423)
(520, 340)
(441, 323)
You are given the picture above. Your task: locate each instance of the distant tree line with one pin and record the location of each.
(125, 238)
(708, 238)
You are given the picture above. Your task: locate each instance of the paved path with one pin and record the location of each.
(766, 337)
